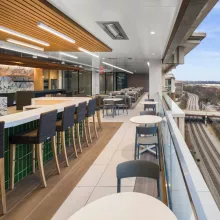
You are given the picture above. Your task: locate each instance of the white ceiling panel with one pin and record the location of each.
(137, 18)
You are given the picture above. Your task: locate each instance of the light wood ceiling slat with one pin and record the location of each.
(23, 16)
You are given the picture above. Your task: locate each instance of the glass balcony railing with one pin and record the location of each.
(187, 193)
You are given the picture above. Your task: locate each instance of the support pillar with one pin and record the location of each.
(155, 78)
(95, 76)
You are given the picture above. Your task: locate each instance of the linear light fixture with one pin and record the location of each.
(116, 67)
(68, 55)
(148, 63)
(24, 44)
(57, 33)
(23, 51)
(24, 36)
(88, 52)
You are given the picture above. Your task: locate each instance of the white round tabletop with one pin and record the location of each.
(146, 119)
(113, 99)
(127, 206)
(148, 103)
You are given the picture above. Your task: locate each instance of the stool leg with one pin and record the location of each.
(2, 176)
(74, 143)
(94, 125)
(40, 164)
(78, 137)
(89, 131)
(64, 147)
(54, 149)
(33, 158)
(84, 131)
(12, 167)
(99, 119)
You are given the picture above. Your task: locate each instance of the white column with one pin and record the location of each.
(60, 78)
(155, 78)
(95, 76)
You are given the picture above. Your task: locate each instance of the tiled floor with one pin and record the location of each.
(100, 179)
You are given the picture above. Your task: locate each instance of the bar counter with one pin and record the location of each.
(26, 121)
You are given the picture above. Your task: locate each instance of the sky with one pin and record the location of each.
(203, 63)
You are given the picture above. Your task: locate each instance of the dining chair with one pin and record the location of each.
(138, 168)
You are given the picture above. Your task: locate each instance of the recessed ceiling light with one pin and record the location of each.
(23, 51)
(68, 55)
(24, 44)
(152, 32)
(148, 63)
(26, 37)
(116, 67)
(88, 52)
(57, 33)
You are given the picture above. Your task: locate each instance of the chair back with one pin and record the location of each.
(98, 101)
(146, 130)
(148, 113)
(2, 131)
(124, 99)
(81, 112)
(149, 100)
(68, 117)
(47, 125)
(137, 168)
(91, 107)
(150, 106)
(108, 102)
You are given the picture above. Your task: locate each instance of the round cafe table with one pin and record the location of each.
(113, 99)
(125, 206)
(148, 103)
(146, 119)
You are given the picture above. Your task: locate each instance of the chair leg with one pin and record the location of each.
(89, 131)
(118, 185)
(54, 149)
(74, 142)
(78, 137)
(85, 133)
(40, 164)
(94, 125)
(99, 119)
(12, 167)
(2, 176)
(64, 147)
(33, 158)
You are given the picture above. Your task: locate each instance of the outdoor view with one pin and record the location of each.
(198, 89)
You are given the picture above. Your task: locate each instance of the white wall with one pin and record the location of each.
(95, 76)
(155, 78)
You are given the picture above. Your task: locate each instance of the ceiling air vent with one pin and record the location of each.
(113, 29)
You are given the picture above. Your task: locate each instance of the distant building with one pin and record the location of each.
(170, 84)
(179, 88)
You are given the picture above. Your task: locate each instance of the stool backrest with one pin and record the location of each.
(47, 125)
(146, 130)
(148, 113)
(2, 129)
(91, 107)
(137, 168)
(148, 106)
(81, 111)
(68, 117)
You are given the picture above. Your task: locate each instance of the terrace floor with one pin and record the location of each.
(100, 180)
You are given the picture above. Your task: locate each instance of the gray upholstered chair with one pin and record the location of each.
(138, 168)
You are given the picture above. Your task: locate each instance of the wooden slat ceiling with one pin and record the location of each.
(35, 63)
(23, 16)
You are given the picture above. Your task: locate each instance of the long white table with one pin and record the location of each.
(125, 206)
(46, 103)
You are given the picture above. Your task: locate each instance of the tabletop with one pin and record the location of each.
(146, 119)
(127, 206)
(148, 103)
(113, 99)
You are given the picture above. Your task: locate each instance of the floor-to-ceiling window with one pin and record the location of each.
(121, 81)
(106, 83)
(78, 82)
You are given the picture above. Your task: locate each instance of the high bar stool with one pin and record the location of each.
(80, 117)
(67, 123)
(98, 110)
(2, 169)
(91, 109)
(46, 129)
